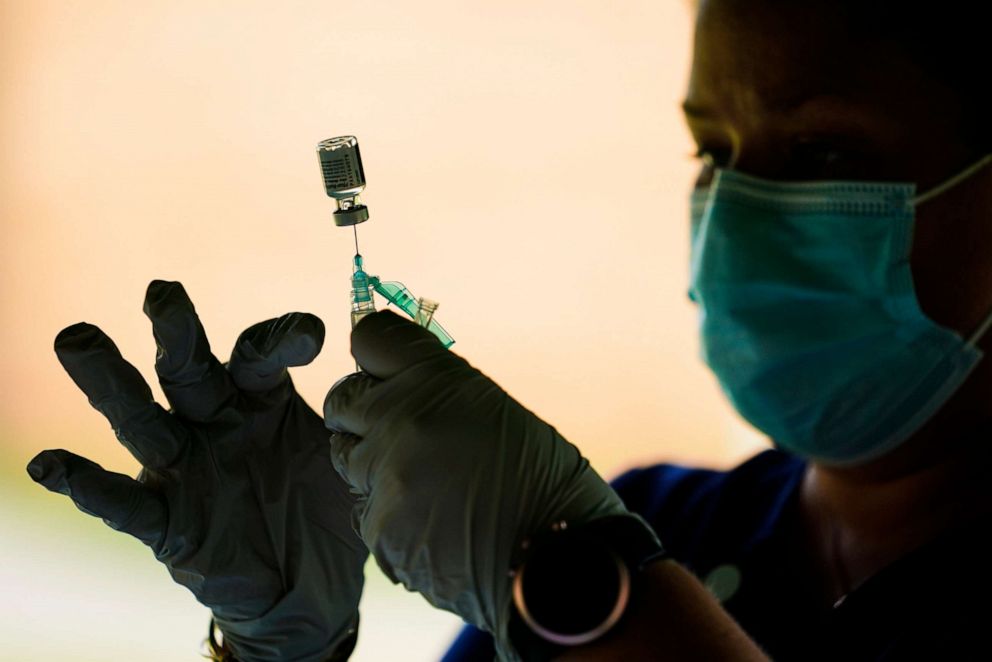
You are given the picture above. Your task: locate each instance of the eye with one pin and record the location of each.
(821, 158)
(712, 157)
(709, 160)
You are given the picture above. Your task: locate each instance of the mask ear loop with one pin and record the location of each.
(982, 328)
(953, 181)
(937, 190)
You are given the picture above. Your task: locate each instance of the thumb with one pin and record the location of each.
(385, 344)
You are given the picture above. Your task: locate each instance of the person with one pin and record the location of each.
(840, 239)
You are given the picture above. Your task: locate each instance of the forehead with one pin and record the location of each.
(754, 50)
(759, 56)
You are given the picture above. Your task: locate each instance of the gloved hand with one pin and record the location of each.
(453, 474)
(237, 497)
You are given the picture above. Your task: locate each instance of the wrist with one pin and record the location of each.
(218, 649)
(288, 632)
(574, 584)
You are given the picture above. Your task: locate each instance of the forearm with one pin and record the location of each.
(671, 617)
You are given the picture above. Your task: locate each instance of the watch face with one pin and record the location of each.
(571, 592)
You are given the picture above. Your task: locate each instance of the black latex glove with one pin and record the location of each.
(237, 497)
(454, 474)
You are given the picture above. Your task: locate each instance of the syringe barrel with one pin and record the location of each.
(362, 302)
(356, 316)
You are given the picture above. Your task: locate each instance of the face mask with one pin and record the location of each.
(808, 316)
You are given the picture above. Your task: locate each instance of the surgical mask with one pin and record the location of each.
(808, 316)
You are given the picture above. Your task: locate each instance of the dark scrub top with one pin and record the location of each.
(738, 531)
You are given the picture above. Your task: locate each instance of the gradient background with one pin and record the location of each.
(527, 168)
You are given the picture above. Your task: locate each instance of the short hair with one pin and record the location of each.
(949, 41)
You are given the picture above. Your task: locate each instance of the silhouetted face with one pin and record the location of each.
(781, 90)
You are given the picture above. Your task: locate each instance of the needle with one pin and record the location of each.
(355, 228)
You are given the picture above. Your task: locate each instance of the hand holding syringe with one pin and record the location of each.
(344, 179)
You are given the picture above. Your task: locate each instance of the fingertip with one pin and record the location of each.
(386, 325)
(48, 470)
(334, 396)
(163, 294)
(78, 346)
(346, 408)
(379, 320)
(36, 467)
(315, 328)
(384, 344)
(292, 340)
(81, 334)
(159, 286)
(300, 342)
(311, 328)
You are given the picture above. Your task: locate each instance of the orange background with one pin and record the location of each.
(526, 167)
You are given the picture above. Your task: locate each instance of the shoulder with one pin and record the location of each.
(693, 509)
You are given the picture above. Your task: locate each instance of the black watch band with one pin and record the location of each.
(574, 583)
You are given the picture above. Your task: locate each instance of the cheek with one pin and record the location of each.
(952, 272)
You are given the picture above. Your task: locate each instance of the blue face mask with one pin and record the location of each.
(808, 316)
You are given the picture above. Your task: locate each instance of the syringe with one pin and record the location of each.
(344, 178)
(361, 293)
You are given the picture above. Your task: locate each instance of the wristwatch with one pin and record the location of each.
(574, 583)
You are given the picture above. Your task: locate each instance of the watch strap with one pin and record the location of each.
(585, 577)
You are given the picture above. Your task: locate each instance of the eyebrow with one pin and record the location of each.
(697, 111)
(790, 103)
